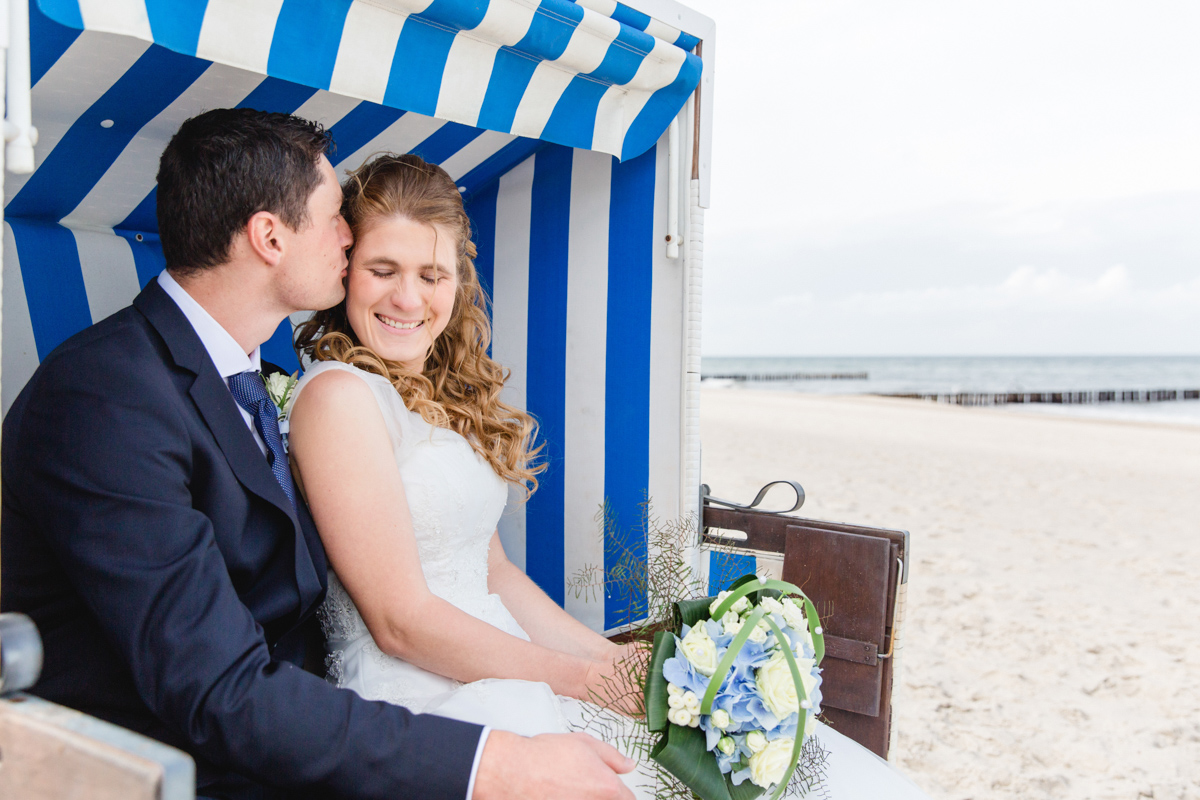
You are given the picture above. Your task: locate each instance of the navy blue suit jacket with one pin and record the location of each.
(173, 582)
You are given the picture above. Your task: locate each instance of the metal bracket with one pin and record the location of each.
(706, 497)
(898, 610)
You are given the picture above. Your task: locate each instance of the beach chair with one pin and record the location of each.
(578, 133)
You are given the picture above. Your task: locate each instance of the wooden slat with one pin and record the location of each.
(48, 752)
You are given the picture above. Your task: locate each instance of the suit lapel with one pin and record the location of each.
(217, 407)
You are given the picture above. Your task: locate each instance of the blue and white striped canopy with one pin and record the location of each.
(524, 103)
(595, 75)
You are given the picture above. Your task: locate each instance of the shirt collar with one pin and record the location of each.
(223, 349)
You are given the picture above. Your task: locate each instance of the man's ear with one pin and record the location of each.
(263, 232)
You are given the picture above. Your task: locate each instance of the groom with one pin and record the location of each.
(151, 528)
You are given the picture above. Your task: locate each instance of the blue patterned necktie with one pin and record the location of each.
(251, 394)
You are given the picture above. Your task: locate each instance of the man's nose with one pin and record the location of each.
(346, 236)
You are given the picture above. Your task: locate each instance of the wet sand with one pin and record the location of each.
(1052, 647)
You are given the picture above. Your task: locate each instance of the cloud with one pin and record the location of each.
(1030, 311)
(934, 177)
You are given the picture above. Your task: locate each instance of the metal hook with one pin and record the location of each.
(762, 493)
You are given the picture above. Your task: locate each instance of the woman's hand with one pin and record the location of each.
(614, 681)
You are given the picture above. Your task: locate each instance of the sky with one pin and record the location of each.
(954, 177)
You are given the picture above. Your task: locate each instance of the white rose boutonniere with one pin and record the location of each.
(280, 388)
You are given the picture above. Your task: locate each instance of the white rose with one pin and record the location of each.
(776, 687)
(742, 605)
(701, 650)
(726, 745)
(720, 719)
(769, 764)
(759, 634)
(806, 666)
(772, 605)
(794, 616)
(712, 607)
(277, 383)
(756, 741)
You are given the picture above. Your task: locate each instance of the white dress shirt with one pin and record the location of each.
(228, 358)
(223, 349)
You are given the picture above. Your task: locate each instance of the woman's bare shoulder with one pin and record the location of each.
(345, 391)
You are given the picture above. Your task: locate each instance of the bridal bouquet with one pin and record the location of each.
(725, 689)
(734, 688)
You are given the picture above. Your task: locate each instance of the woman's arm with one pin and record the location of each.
(345, 468)
(544, 620)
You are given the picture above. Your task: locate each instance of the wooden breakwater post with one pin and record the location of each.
(787, 376)
(1057, 398)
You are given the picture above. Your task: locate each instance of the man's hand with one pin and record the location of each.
(572, 766)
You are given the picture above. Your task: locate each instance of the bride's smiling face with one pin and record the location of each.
(401, 287)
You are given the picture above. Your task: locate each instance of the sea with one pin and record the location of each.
(978, 374)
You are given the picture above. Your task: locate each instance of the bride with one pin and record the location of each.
(404, 452)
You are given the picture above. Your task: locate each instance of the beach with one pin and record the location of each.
(1052, 641)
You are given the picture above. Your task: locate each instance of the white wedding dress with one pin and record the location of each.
(455, 499)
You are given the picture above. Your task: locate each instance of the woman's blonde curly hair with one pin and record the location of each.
(459, 386)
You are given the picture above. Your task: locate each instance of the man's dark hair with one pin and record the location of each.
(226, 165)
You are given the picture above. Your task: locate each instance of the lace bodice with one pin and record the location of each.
(455, 500)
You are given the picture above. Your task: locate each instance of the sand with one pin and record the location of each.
(1052, 646)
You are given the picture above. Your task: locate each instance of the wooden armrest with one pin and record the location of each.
(48, 752)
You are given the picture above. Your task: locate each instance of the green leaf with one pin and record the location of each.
(689, 612)
(746, 790)
(656, 684)
(683, 754)
(742, 580)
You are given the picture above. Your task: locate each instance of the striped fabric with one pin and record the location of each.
(642, 22)
(592, 75)
(586, 306)
(586, 315)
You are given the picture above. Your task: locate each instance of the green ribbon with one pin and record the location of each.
(802, 712)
